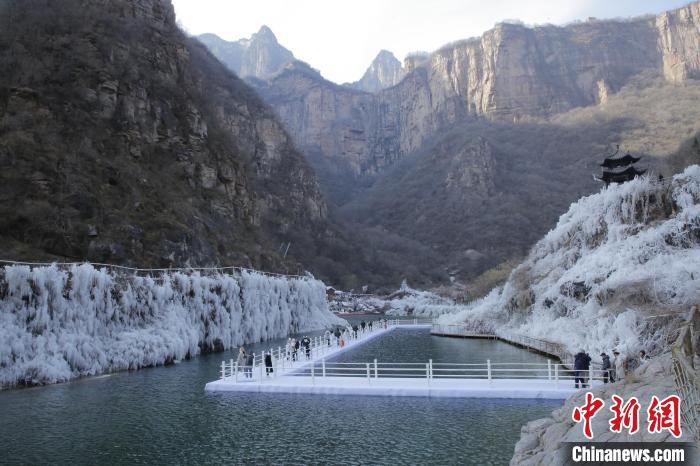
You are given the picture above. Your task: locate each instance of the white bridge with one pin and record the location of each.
(316, 374)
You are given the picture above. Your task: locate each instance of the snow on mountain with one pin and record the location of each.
(613, 273)
(59, 323)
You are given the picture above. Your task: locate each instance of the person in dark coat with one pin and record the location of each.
(369, 324)
(337, 335)
(582, 362)
(297, 345)
(307, 346)
(363, 324)
(607, 369)
(250, 360)
(268, 363)
(354, 331)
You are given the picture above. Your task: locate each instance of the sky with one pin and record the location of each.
(340, 39)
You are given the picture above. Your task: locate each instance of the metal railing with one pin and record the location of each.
(288, 359)
(136, 270)
(311, 363)
(685, 375)
(432, 370)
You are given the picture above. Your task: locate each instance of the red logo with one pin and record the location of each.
(665, 415)
(661, 414)
(626, 415)
(587, 412)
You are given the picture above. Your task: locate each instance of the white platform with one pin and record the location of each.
(290, 380)
(385, 386)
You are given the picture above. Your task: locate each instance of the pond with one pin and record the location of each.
(162, 415)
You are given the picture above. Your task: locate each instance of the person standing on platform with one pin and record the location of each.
(268, 364)
(250, 360)
(582, 362)
(241, 359)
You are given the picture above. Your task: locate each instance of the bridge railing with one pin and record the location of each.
(288, 361)
(555, 372)
(287, 358)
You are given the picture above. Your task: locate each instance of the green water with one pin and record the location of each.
(162, 415)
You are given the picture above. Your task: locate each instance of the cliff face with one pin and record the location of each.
(261, 56)
(509, 74)
(384, 71)
(679, 42)
(121, 140)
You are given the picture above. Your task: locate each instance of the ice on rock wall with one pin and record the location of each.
(419, 303)
(614, 262)
(58, 323)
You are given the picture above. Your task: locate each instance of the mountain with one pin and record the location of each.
(124, 141)
(474, 154)
(511, 73)
(384, 71)
(261, 56)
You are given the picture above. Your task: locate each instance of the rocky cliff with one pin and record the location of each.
(260, 56)
(121, 140)
(384, 71)
(510, 73)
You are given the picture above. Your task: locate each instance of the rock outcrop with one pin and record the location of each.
(124, 141)
(543, 441)
(678, 32)
(384, 71)
(260, 56)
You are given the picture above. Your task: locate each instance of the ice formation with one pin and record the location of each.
(58, 323)
(408, 300)
(404, 301)
(613, 273)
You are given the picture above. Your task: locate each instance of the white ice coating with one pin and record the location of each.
(615, 259)
(419, 303)
(58, 323)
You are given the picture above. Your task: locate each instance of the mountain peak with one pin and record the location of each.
(261, 56)
(264, 32)
(385, 55)
(384, 71)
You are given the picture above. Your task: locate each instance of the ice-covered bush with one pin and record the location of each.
(58, 322)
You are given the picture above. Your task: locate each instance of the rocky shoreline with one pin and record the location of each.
(543, 441)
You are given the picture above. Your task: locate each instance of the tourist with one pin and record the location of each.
(363, 325)
(250, 360)
(369, 325)
(289, 348)
(354, 331)
(328, 337)
(630, 364)
(606, 368)
(241, 358)
(619, 365)
(582, 362)
(337, 335)
(295, 349)
(307, 346)
(268, 363)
